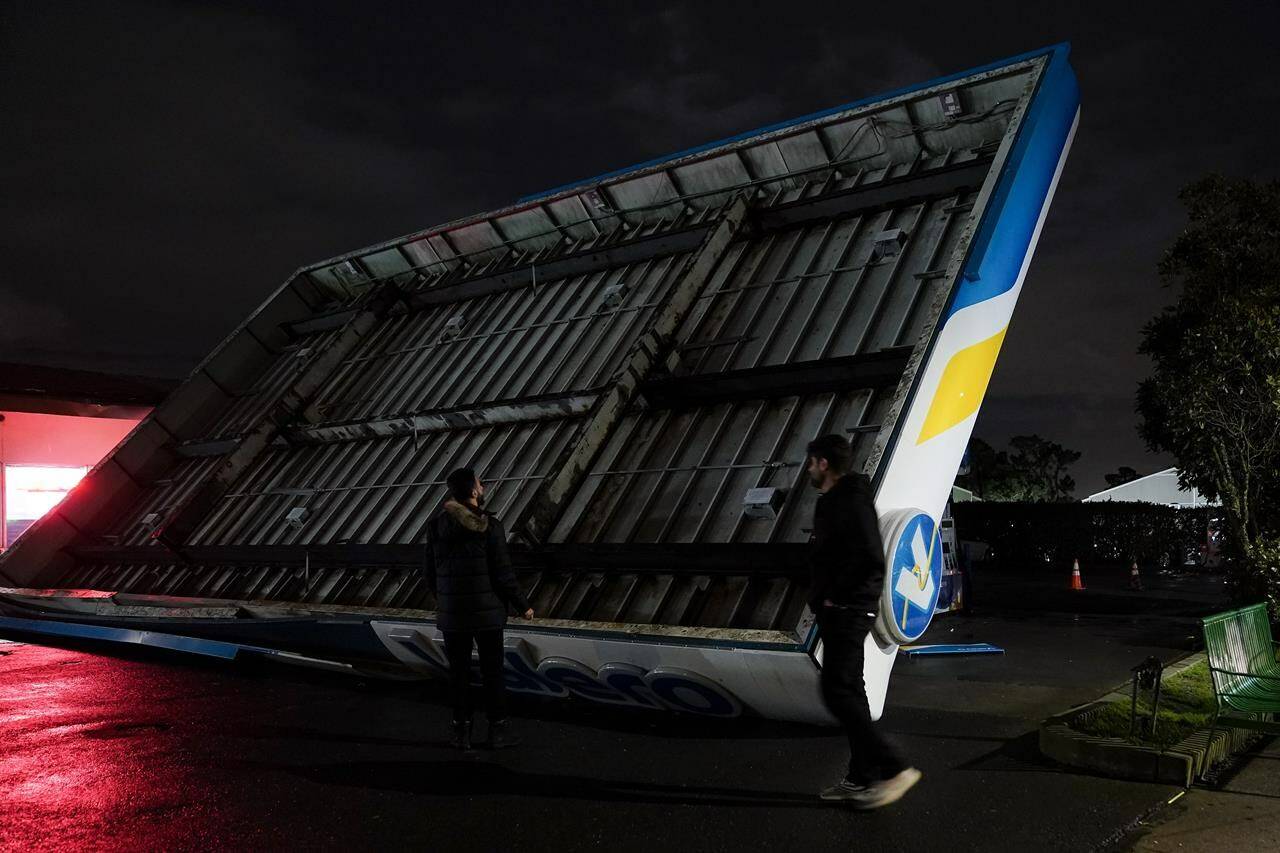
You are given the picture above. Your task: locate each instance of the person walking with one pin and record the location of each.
(847, 559)
(469, 573)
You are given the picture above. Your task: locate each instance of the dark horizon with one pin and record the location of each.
(168, 166)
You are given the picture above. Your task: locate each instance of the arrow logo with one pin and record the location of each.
(916, 586)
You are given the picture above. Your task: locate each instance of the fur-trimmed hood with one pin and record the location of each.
(474, 520)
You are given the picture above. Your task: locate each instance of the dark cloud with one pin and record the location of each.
(165, 166)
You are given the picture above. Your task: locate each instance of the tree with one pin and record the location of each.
(1124, 474)
(986, 469)
(1042, 466)
(1213, 399)
(1036, 470)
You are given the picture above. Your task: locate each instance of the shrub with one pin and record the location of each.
(1114, 532)
(1257, 577)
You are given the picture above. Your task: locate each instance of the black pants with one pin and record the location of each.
(457, 647)
(871, 758)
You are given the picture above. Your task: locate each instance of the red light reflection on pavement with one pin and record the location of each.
(68, 771)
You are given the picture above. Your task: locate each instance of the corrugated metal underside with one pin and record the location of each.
(805, 295)
(498, 344)
(634, 598)
(672, 475)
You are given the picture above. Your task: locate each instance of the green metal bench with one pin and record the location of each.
(1242, 662)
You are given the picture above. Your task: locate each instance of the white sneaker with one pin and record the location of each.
(845, 791)
(886, 792)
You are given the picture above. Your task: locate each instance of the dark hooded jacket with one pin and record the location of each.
(847, 555)
(469, 570)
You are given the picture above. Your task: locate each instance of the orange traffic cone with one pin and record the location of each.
(1076, 581)
(1135, 579)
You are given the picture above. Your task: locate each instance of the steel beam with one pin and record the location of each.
(731, 558)
(873, 370)
(684, 558)
(867, 198)
(583, 263)
(213, 557)
(547, 407)
(522, 275)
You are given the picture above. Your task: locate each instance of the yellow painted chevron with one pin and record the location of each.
(964, 382)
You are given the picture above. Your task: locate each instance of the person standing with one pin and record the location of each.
(469, 573)
(847, 559)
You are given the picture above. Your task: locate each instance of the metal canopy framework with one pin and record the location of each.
(622, 361)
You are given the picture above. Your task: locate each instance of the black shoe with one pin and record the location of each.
(500, 736)
(461, 736)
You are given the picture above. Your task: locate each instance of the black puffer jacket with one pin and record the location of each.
(469, 570)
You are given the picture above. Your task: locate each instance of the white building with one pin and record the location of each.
(1158, 488)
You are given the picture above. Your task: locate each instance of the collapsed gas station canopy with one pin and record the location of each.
(633, 365)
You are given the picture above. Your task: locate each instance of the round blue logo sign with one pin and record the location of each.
(915, 577)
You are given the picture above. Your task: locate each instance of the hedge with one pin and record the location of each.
(1112, 532)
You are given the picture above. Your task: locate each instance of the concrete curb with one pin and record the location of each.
(1180, 764)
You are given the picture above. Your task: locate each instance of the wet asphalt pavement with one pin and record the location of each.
(125, 750)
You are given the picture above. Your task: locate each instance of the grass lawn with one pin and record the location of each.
(1186, 704)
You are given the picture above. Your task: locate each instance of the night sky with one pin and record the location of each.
(163, 167)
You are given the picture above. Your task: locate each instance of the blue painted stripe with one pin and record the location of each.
(128, 635)
(174, 642)
(1064, 89)
(782, 125)
(1004, 237)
